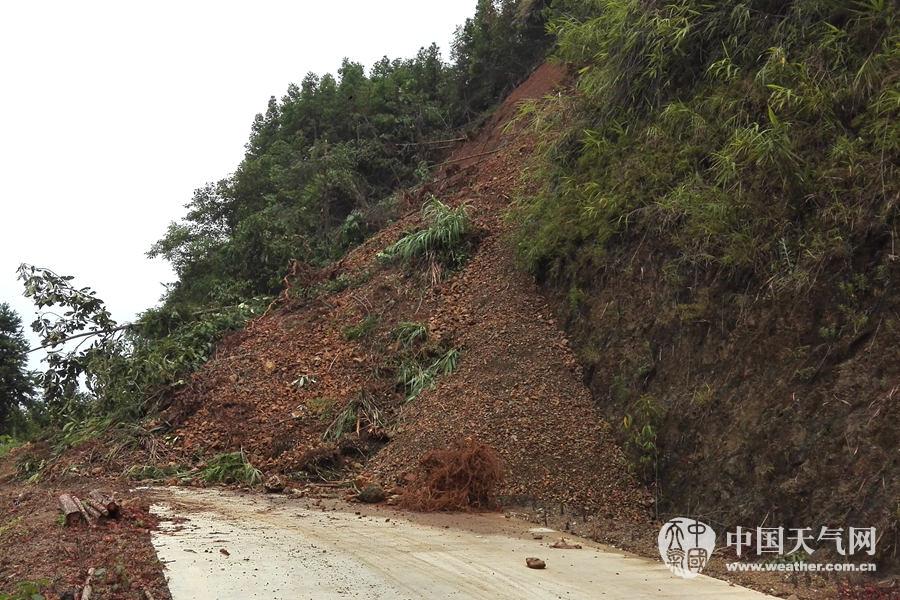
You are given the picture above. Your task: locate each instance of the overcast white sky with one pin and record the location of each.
(111, 113)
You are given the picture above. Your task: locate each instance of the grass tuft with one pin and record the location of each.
(362, 329)
(361, 413)
(415, 377)
(408, 334)
(441, 245)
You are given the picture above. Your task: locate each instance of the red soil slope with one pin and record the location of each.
(517, 388)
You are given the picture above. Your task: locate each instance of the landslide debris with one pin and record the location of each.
(322, 385)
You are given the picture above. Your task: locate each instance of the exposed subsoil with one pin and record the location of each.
(763, 420)
(517, 388)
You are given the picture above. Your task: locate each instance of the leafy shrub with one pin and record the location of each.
(641, 426)
(30, 467)
(7, 443)
(27, 590)
(442, 244)
(753, 140)
(231, 468)
(126, 369)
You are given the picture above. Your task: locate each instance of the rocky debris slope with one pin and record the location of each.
(310, 389)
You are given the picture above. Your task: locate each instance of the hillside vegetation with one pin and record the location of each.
(326, 163)
(717, 214)
(758, 139)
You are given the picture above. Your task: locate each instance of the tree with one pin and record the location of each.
(326, 158)
(494, 50)
(16, 382)
(96, 366)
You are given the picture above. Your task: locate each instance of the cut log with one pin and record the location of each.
(112, 507)
(100, 508)
(95, 514)
(88, 590)
(562, 544)
(88, 515)
(72, 513)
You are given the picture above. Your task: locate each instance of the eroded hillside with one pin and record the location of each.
(311, 390)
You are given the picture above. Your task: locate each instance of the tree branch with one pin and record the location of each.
(83, 335)
(197, 313)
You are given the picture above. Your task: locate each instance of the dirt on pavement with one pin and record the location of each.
(231, 546)
(35, 546)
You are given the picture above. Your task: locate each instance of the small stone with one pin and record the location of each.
(562, 544)
(274, 485)
(535, 563)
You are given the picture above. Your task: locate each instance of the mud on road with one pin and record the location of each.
(221, 545)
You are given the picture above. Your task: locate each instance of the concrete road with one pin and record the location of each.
(224, 546)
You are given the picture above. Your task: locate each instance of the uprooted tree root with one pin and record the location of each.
(462, 477)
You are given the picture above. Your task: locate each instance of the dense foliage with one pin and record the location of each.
(323, 162)
(494, 50)
(319, 171)
(758, 139)
(16, 382)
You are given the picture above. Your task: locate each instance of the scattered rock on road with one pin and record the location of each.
(371, 494)
(274, 485)
(562, 544)
(535, 563)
